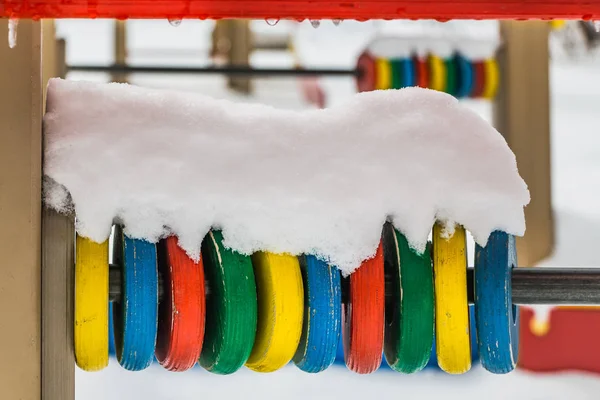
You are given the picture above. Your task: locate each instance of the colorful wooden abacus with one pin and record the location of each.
(266, 310)
(457, 75)
(462, 66)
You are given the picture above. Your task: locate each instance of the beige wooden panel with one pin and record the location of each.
(20, 213)
(522, 115)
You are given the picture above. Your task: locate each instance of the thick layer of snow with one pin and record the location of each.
(320, 181)
(476, 40)
(13, 24)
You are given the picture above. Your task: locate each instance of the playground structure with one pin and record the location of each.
(37, 301)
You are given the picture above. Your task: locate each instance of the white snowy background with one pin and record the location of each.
(575, 87)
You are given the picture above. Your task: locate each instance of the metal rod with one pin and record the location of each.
(530, 286)
(114, 284)
(227, 70)
(560, 286)
(550, 286)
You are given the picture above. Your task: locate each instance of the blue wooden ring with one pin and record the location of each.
(465, 74)
(321, 327)
(135, 319)
(496, 318)
(408, 73)
(111, 336)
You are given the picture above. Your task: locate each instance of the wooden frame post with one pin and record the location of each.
(58, 252)
(522, 115)
(239, 53)
(232, 40)
(120, 40)
(58, 361)
(20, 212)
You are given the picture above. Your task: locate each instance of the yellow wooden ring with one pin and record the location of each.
(541, 327)
(91, 304)
(280, 295)
(453, 345)
(557, 24)
(492, 79)
(383, 74)
(437, 74)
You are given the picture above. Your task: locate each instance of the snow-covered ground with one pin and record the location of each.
(576, 189)
(336, 383)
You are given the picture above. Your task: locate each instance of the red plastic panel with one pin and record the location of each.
(570, 344)
(301, 9)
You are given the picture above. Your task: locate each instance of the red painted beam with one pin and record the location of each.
(301, 9)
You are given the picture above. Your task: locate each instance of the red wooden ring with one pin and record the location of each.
(182, 311)
(363, 316)
(365, 82)
(479, 86)
(422, 72)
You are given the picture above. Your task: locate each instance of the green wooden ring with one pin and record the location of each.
(396, 67)
(451, 78)
(231, 307)
(409, 308)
